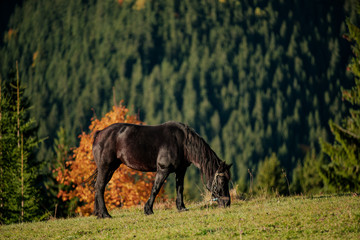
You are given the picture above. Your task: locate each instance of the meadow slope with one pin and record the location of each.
(319, 217)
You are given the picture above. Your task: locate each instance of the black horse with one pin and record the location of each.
(164, 149)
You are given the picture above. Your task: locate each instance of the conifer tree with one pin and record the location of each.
(56, 206)
(306, 178)
(19, 196)
(343, 171)
(270, 177)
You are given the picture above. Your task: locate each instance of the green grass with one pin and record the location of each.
(321, 217)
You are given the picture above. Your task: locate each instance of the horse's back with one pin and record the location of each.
(141, 147)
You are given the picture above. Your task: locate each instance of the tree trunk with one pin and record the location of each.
(1, 170)
(20, 141)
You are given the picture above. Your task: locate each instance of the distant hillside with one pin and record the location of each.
(252, 77)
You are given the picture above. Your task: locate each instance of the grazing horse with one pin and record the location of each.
(167, 148)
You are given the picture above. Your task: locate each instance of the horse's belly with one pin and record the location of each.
(144, 164)
(141, 167)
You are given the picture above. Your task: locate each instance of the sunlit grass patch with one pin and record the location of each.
(315, 217)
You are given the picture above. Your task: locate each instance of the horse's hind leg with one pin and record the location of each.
(159, 181)
(106, 168)
(103, 178)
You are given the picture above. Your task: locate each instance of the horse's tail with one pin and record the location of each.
(91, 180)
(95, 135)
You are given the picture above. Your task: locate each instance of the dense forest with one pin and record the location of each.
(257, 80)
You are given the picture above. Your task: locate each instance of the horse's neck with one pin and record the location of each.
(210, 179)
(209, 175)
(209, 184)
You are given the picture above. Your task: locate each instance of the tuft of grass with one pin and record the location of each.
(315, 217)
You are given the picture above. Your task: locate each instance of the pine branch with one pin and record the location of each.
(345, 131)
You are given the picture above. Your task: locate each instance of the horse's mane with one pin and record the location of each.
(199, 153)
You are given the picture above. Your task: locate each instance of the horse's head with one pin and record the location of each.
(220, 185)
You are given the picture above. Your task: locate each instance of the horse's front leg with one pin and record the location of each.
(159, 181)
(180, 189)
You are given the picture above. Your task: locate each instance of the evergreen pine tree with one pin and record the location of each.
(306, 178)
(270, 177)
(56, 207)
(18, 195)
(343, 171)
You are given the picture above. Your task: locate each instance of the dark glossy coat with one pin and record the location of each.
(167, 148)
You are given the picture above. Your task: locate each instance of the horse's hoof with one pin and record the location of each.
(104, 215)
(183, 210)
(148, 211)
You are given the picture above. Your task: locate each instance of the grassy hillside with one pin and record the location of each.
(320, 217)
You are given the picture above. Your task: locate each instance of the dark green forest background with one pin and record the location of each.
(256, 79)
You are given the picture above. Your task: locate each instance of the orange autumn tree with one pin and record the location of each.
(126, 188)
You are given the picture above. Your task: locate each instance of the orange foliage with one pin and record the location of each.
(126, 188)
(139, 4)
(11, 33)
(35, 56)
